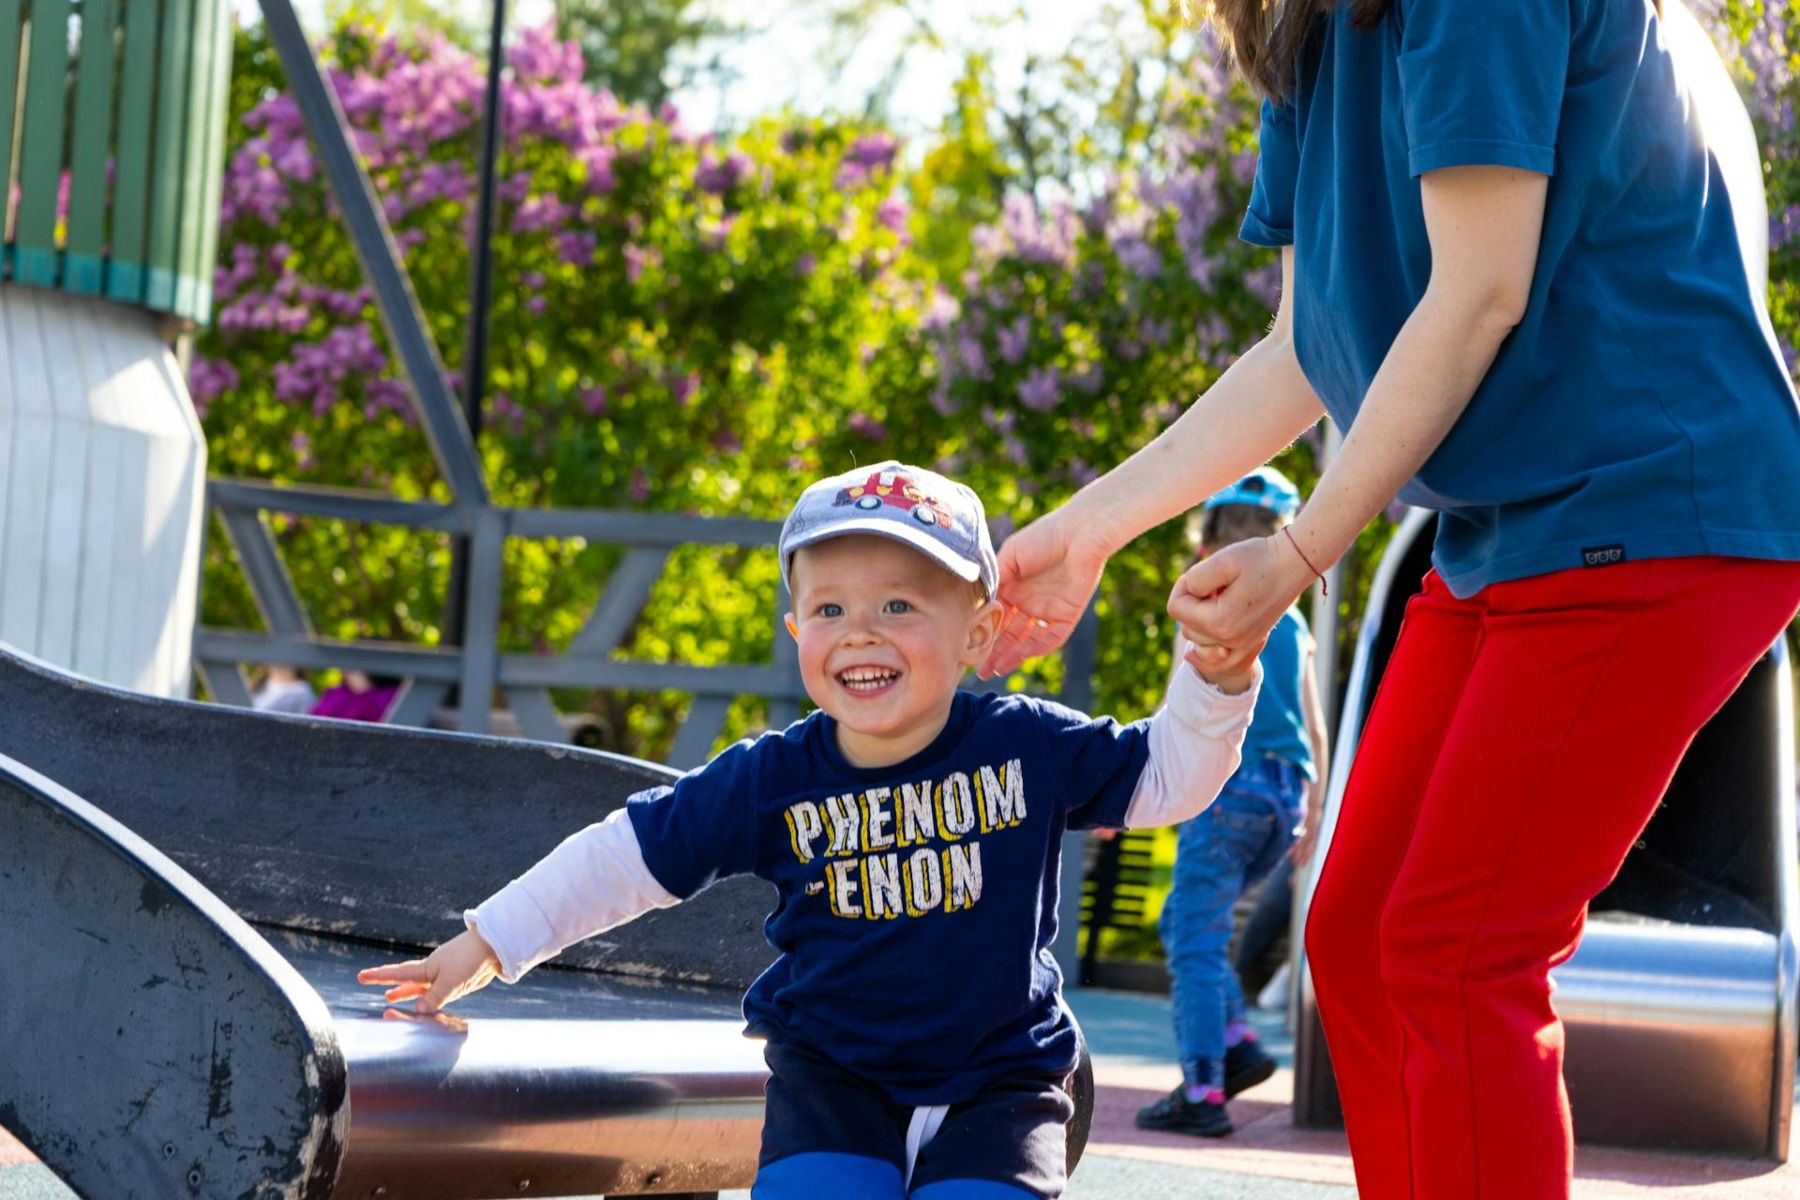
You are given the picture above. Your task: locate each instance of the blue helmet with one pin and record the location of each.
(1264, 487)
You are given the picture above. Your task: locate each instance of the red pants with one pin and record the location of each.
(1520, 741)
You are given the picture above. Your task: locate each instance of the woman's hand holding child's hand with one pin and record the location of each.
(464, 964)
(1229, 601)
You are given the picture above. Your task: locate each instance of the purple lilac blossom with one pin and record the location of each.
(863, 425)
(873, 151)
(718, 175)
(972, 357)
(576, 247)
(1015, 339)
(1041, 390)
(892, 213)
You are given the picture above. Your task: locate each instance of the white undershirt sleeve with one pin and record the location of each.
(1196, 742)
(594, 880)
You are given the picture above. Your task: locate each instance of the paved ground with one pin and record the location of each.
(1267, 1159)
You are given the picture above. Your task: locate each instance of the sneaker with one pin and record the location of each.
(1177, 1114)
(1246, 1065)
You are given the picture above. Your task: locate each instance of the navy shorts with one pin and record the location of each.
(827, 1132)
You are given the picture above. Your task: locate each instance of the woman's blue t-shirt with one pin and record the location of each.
(1640, 409)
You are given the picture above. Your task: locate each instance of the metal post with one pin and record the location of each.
(475, 349)
(1325, 608)
(481, 657)
(380, 257)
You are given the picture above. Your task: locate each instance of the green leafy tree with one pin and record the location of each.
(644, 50)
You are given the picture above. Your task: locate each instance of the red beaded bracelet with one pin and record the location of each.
(1324, 588)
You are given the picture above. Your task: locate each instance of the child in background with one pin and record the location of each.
(1223, 852)
(361, 697)
(917, 1041)
(284, 690)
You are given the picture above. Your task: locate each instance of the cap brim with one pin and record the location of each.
(919, 540)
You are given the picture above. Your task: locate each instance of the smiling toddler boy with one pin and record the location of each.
(916, 1036)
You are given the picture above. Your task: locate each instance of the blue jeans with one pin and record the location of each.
(1220, 855)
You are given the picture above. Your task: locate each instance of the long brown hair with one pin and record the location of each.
(1264, 37)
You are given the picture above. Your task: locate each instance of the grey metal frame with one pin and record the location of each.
(476, 668)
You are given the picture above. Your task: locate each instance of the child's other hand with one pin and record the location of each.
(464, 964)
(1232, 683)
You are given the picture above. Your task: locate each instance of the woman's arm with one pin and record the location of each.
(1483, 223)
(1250, 414)
(1049, 569)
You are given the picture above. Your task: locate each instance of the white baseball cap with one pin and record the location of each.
(934, 515)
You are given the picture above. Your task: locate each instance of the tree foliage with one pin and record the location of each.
(693, 323)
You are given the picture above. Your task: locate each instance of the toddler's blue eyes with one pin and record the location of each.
(897, 606)
(831, 610)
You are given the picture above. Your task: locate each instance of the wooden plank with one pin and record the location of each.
(70, 445)
(41, 143)
(123, 654)
(28, 489)
(10, 11)
(185, 529)
(83, 266)
(213, 179)
(125, 267)
(9, 424)
(196, 144)
(173, 98)
(100, 519)
(165, 529)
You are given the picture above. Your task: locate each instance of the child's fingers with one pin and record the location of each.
(405, 991)
(1206, 656)
(439, 994)
(411, 971)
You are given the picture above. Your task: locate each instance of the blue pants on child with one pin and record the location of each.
(1220, 855)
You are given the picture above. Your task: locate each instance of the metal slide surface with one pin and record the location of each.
(151, 1042)
(299, 850)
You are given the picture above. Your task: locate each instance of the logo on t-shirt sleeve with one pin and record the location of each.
(1602, 556)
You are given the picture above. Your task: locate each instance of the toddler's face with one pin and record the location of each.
(885, 635)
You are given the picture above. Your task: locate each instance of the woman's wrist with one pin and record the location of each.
(1314, 542)
(1092, 522)
(1297, 572)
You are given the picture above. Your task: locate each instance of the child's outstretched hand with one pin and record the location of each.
(464, 964)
